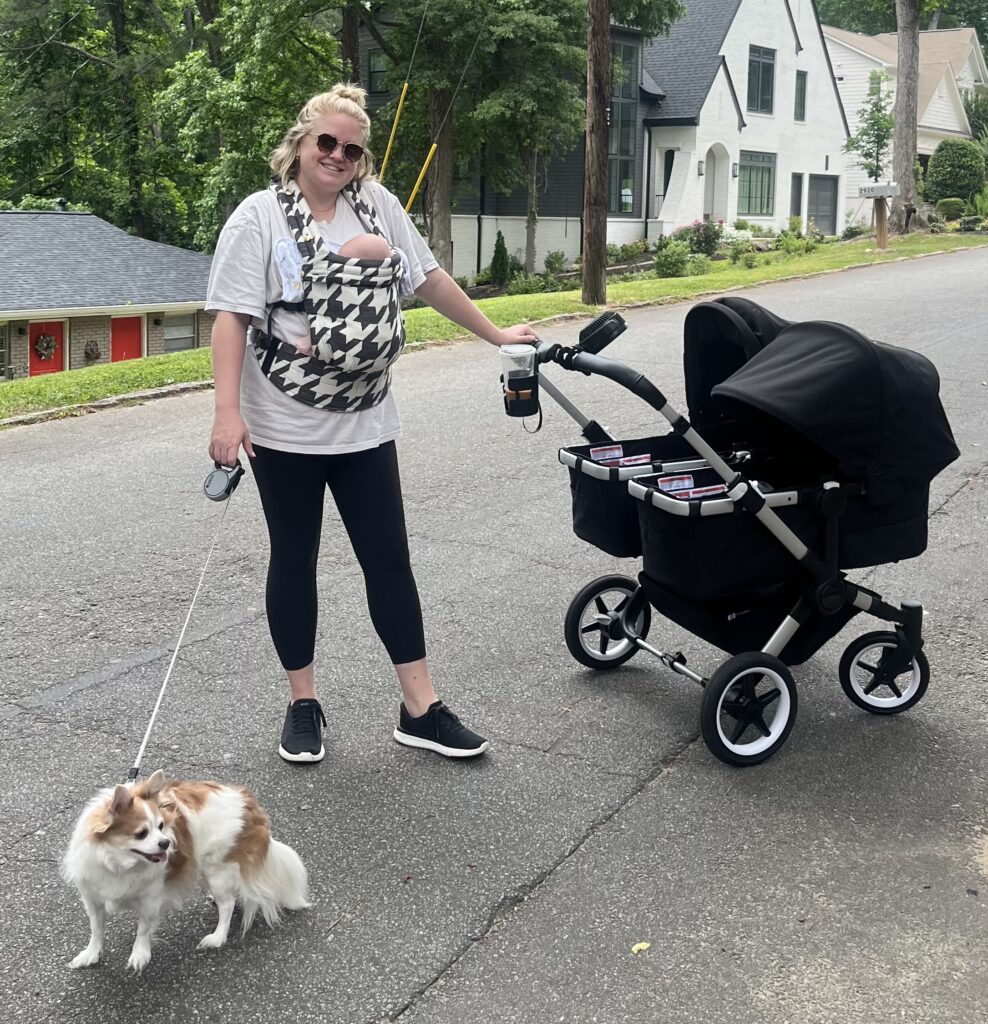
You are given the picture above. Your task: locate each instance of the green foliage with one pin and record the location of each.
(702, 236)
(973, 223)
(482, 277)
(749, 260)
(555, 262)
(795, 225)
(739, 248)
(613, 251)
(979, 202)
(852, 230)
(526, 284)
(742, 225)
(672, 260)
(957, 168)
(872, 142)
(697, 264)
(976, 108)
(500, 267)
(951, 209)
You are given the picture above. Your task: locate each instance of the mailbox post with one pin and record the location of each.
(880, 192)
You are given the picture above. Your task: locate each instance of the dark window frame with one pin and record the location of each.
(622, 143)
(799, 111)
(757, 184)
(375, 84)
(761, 80)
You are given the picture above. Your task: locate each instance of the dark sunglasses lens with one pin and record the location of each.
(327, 144)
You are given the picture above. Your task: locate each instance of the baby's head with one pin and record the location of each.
(366, 247)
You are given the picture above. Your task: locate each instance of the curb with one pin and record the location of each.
(136, 397)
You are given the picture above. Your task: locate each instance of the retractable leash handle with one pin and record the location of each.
(222, 481)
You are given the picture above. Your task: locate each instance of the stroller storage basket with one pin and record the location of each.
(708, 548)
(604, 513)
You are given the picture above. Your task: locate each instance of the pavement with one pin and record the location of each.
(845, 880)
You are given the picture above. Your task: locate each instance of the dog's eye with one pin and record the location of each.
(161, 825)
(142, 834)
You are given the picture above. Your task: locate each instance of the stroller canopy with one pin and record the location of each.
(874, 407)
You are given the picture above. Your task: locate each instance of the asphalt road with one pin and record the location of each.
(843, 881)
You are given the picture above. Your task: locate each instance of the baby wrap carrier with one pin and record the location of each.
(355, 324)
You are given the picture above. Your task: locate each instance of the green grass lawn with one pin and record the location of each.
(78, 387)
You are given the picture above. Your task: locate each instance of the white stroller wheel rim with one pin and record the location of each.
(861, 675)
(780, 711)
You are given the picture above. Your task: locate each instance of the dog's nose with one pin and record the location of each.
(163, 844)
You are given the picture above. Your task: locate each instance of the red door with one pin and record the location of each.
(46, 334)
(125, 338)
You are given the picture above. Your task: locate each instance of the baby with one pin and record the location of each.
(362, 247)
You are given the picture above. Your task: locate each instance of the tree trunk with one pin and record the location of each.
(350, 41)
(130, 119)
(595, 166)
(532, 215)
(934, 21)
(440, 177)
(905, 113)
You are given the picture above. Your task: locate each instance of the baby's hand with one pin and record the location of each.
(303, 345)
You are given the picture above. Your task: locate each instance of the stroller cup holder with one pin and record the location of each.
(520, 380)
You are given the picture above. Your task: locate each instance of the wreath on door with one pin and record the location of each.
(44, 346)
(92, 351)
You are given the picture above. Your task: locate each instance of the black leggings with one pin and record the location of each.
(367, 492)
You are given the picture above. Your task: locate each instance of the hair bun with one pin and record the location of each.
(352, 92)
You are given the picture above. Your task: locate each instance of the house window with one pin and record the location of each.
(800, 113)
(756, 185)
(377, 68)
(623, 129)
(180, 331)
(761, 79)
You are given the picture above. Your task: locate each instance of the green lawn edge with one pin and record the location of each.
(425, 327)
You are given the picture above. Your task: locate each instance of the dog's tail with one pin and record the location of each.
(281, 883)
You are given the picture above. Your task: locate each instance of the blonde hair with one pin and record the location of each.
(344, 98)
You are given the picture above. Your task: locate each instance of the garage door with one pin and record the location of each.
(821, 207)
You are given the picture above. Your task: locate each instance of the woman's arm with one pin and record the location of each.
(229, 341)
(447, 297)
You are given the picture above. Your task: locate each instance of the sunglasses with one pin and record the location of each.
(327, 145)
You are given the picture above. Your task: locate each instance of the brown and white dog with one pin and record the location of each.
(143, 848)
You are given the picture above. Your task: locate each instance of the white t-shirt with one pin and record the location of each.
(246, 278)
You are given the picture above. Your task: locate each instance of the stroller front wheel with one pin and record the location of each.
(862, 678)
(592, 627)
(749, 708)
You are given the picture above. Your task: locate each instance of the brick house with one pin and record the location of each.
(77, 291)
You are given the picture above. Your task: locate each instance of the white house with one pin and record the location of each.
(951, 63)
(750, 124)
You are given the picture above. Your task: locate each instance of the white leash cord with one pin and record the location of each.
(134, 771)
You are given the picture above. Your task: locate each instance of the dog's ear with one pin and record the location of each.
(121, 801)
(152, 786)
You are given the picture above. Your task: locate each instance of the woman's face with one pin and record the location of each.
(321, 173)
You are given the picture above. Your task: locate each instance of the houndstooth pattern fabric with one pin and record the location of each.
(355, 323)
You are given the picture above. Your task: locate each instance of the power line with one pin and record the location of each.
(40, 46)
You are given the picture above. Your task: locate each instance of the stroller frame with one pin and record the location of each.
(733, 689)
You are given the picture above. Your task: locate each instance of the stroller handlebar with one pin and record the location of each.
(575, 359)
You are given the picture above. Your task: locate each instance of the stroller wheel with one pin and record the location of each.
(862, 680)
(592, 628)
(748, 709)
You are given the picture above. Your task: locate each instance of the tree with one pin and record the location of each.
(906, 116)
(651, 17)
(957, 170)
(873, 138)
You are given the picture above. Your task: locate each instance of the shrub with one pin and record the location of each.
(979, 202)
(673, 259)
(525, 284)
(515, 266)
(951, 209)
(482, 276)
(702, 236)
(750, 259)
(742, 225)
(852, 230)
(795, 225)
(555, 262)
(789, 244)
(633, 250)
(971, 223)
(613, 253)
(957, 168)
(740, 247)
(463, 281)
(500, 269)
(697, 264)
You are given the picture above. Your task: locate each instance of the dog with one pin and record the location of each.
(144, 846)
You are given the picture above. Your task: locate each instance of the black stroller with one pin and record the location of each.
(810, 451)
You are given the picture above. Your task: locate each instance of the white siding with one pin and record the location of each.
(552, 233)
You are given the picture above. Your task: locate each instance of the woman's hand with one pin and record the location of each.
(229, 433)
(520, 334)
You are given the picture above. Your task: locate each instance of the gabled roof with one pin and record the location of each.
(943, 46)
(685, 62)
(55, 260)
(870, 46)
(930, 77)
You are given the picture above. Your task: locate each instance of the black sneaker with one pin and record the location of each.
(301, 735)
(439, 730)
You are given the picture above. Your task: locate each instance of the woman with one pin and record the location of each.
(307, 396)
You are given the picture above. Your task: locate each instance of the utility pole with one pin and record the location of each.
(595, 167)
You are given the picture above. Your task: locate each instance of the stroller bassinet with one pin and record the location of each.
(811, 450)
